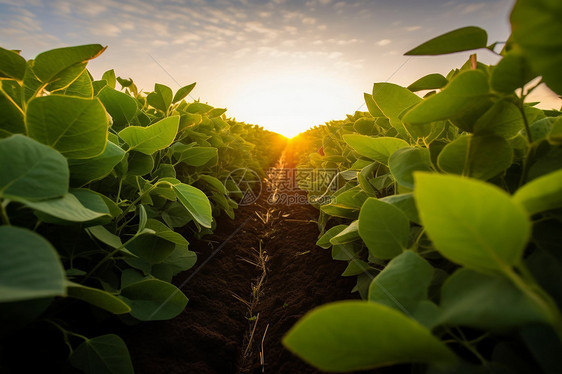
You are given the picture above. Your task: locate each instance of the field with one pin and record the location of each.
(146, 232)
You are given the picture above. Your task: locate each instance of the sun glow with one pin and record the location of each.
(290, 102)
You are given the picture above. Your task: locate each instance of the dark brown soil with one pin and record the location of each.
(229, 311)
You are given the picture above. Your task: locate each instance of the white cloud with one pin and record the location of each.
(413, 28)
(383, 42)
(471, 8)
(105, 29)
(309, 21)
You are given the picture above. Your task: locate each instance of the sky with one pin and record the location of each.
(285, 65)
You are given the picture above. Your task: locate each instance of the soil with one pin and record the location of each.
(255, 277)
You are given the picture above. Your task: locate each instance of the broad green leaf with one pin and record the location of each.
(154, 300)
(109, 77)
(11, 115)
(379, 149)
(463, 39)
(161, 98)
(48, 65)
(105, 354)
(555, 135)
(81, 87)
(405, 161)
(12, 65)
(503, 119)
(393, 100)
(30, 266)
(541, 194)
(196, 202)
(150, 247)
(324, 240)
(384, 229)
(486, 301)
(120, 106)
(406, 203)
(214, 183)
(139, 163)
(183, 92)
(536, 29)
(512, 72)
(403, 283)
(355, 267)
(31, 170)
(66, 77)
(429, 82)
(152, 138)
(197, 156)
(67, 208)
(472, 223)
(466, 88)
(372, 106)
(357, 335)
(75, 127)
(164, 232)
(84, 171)
(349, 234)
(100, 298)
(481, 157)
(352, 198)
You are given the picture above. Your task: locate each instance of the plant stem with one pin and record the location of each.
(5, 218)
(65, 334)
(107, 257)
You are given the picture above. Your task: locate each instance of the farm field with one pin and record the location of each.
(150, 232)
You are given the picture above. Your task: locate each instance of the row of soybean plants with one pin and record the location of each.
(449, 213)
(94, 181)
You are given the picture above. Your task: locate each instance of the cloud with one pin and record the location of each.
(471, 8)
(309, 21)
(384, 42)
(105, 29)
(413, 28)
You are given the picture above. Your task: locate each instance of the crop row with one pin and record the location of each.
(448, 211)
(94, 181)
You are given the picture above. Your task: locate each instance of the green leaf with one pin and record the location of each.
(152, 138)
(481, 157)
(76, 127)
(324, 240)
(11, 115)
(393, 100)
(154, 300)
(67, 208)
(66, 77)
(541, 194)
(383, 228)
(139, 163)
(81, 87)
(183, 92)
(121, 107)
(214, 183)
(197, 156)
(88, 170)
(356, 335)
(486, 301)
(196, 202)
(403, 283)
(536, 29)
(372, 106)
(463, 39)
(349, 234)
(406, 203)
(100, 298)
(512, 72)
(503, 119)
(379, 149)
(30, 266)
(48, 65)
(466, 88)
(151, 248)
(109, 77)
(12, 65)
(405, 161)
(105, 354)
(429, 82)
(161, 98)
(31, 170)
(472, 223)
